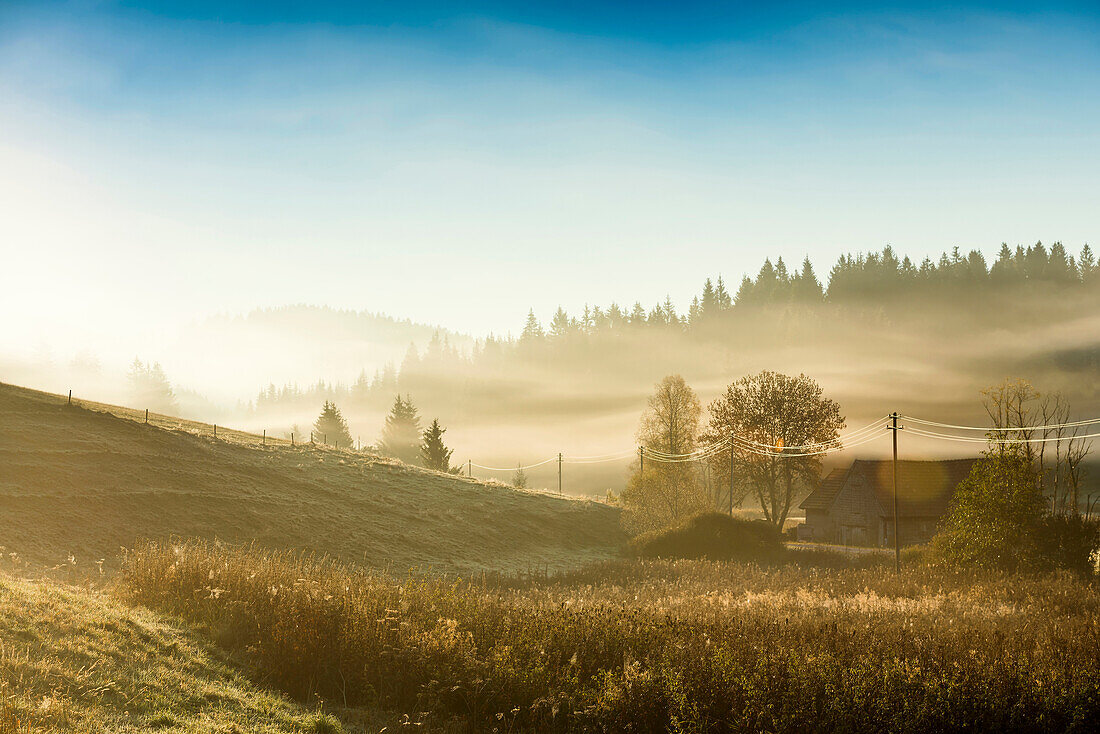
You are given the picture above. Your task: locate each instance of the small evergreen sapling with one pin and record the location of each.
(434, 454)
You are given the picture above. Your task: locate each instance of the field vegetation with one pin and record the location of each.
(643, 645)
(79, 661)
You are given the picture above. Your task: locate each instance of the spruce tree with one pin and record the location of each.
(401, 434)
(519, 478)
(331, 427)
(149, 388)
(434, 454)
(721, 296)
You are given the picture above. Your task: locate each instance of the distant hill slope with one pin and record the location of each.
(79, 481)
(79, 661)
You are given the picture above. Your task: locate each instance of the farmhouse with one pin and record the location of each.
(855, 505)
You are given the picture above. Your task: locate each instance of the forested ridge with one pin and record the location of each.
(780, 306)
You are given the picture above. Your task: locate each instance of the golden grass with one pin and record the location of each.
(647, 646)
(77, 661)
(85, 483)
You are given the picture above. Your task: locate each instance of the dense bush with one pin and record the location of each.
(684, 646)
(712, 536)
(997, 519)
(994, 517)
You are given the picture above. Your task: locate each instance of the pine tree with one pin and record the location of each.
(401, 434)
(519, 478)
(1086, 264)
(433, 453)
(559, 325)
(722, 296)
(532, 329)
(709, 304)
(807, 289)
(149, 388)
(331, 427)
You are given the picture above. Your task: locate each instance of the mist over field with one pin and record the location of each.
(880, 335)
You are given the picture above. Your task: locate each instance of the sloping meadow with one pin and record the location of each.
(652, 645)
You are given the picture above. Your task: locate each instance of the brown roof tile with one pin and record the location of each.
(823, 495)
(925, 488)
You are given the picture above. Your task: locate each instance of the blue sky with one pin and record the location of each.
(458, 163)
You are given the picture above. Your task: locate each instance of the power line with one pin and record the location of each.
(975, 439)
(513, 468)
(1050, 427)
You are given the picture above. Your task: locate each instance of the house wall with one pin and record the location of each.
(855, 513)
(821, 526)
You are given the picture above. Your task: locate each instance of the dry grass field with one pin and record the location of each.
(828, 645)
(80, 661)
(85, 481)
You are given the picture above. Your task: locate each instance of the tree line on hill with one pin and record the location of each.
(1033, 285)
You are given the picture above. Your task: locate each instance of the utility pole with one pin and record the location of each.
(893, 427)
(559, 473)
(731, 475)
(641, 463)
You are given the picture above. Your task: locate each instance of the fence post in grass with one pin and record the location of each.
(311, 438)
(70, 398)
(264, 440)
(469, 468)
(326, 438)
(215, 430)
(146, 416)
(292, 439)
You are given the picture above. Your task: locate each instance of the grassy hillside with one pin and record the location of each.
(78, 481)
(78, 661)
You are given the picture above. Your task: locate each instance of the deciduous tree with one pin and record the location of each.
(769, 412)
(669, 490)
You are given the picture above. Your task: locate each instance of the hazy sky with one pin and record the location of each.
(456, 163)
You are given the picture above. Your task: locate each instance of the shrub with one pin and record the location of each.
(994, 518)
(1068, 542)
(997, 520)
(715, 537)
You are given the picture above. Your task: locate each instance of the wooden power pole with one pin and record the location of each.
(559, 474)
(731, 475)
(897, 527)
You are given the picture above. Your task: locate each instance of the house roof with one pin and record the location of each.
(822, 497)
(925, 488)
